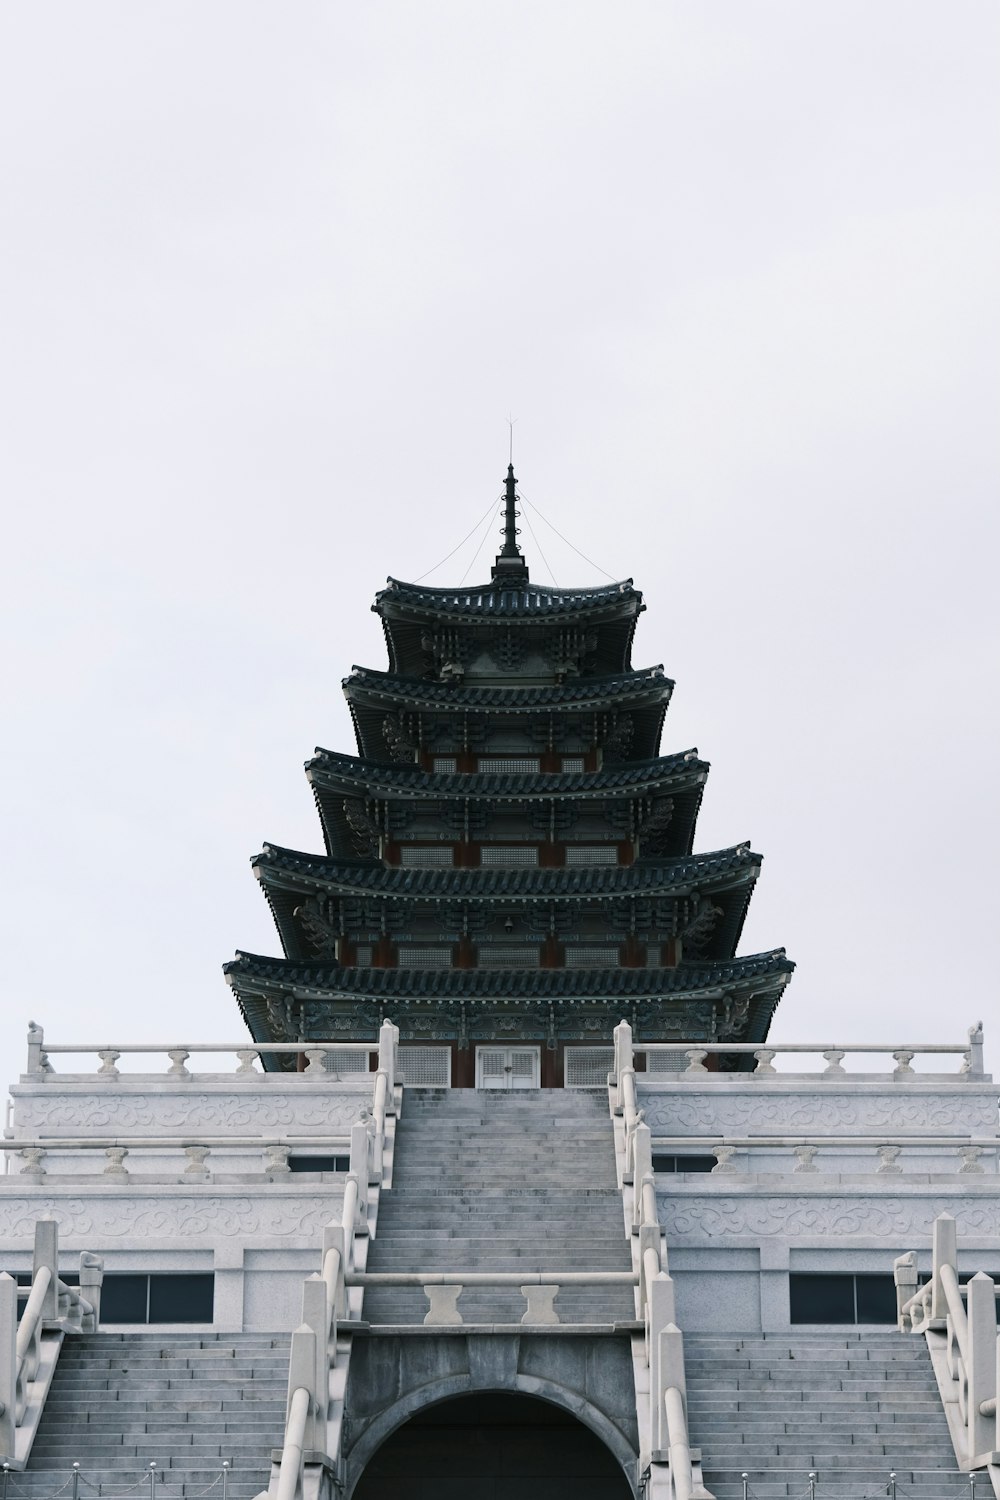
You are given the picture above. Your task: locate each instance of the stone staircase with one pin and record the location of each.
(489, 1180)
(850, 1406)
(185, 1401)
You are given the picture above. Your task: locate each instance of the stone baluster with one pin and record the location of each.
(443, 1305)
(358, 1169)
(316, 1315)
(317, 1062)
(723, 1159)
(969, 1156)
(642, 1166)
(178, 1057)
(276, 1160)
(624, 1054)
(696, 1060)
(91, 1282)
(974, 1058)
(109, 1058)
(834, 1060)
(887, 1155)
(541, 1304)
(903, 1060)
(34, 1161)
(247, 1057)
(804, 1158)
(765, 1060)
(116, 1161)
(904, 1274)
(197, 1157)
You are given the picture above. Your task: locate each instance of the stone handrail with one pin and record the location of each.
(312, 1428)
(539, 1289)
(247, 1052)
(806, 1148)
(960, 1326)
(674, 1467)
(971, 1053)
(197, 1148)
(27, 1360)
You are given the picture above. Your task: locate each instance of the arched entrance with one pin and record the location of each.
(495, 1445)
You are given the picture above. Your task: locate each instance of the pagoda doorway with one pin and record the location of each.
(494, 1445)
(508, 1067)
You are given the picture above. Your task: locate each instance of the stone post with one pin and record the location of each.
(945, 1253)
(388, 1040)
(624, 1056)
(333, 1244)
(302, 1376)
(642, 1166)
(36, 1042)
(47, 1254)
(982, 1314)
(976, 1065)
(660, 1309)
(8, 1364)
(315, 1314)
(904, 1274)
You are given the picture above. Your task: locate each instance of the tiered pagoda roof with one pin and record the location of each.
(508, 853)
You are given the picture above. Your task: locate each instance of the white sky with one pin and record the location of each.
(273, 277)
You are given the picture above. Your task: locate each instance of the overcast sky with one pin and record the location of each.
(273, 278)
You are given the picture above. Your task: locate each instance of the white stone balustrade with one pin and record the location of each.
(29, 1347)
(960, 1326)
(328, 1058)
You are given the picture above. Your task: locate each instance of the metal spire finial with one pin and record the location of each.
(510, 564)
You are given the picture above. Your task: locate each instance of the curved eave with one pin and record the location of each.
(335, 778)
(256, 976)
(530, 601)
(372, 695)
(305, 874)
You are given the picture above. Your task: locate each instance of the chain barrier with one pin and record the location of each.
(152, 1478)
(890, 1488)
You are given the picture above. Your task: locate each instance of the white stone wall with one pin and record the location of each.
(735, 1235)
(259, 1231)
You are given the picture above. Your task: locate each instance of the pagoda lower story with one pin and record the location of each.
(509, 865)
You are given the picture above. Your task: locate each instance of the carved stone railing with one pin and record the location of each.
(672, 1467)
(538, 1288)
(29, 1347)
(123, 1154)
(960, 1326)
(321, 1058)
(309, 1462)
(960, 1154)
(696, 1056)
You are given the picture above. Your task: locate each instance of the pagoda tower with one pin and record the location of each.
(509, 866)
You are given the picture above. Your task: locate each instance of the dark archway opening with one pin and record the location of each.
(495, 1446)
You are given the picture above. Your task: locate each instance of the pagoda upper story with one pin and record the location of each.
(508, 856)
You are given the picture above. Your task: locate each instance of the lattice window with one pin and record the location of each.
(508, 956)
(363, 955)
(445, 765)
(424, 958)
(572, 765)
(665, 1062)
(509, 765)
(588, 1067)
(426, 857)
(514, 856)
(587, 956)
(425, 1067)
(340, 1061)
(591, 854)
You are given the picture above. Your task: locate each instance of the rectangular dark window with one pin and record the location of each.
(319, 1163)
(662, 1163)
(160, 1297)
(842, 1297)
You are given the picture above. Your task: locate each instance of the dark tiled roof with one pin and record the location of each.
(581, 692)
(696, 871)
(755, 971)
(526, 600)
(395, 780)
